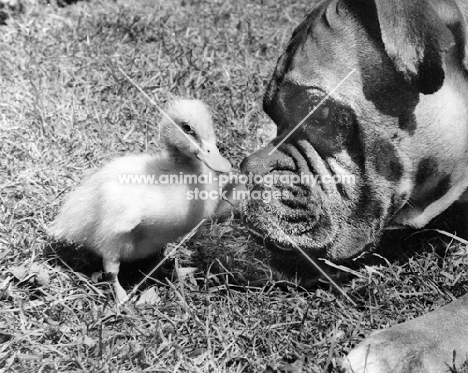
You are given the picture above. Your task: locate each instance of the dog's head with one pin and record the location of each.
(349, 99)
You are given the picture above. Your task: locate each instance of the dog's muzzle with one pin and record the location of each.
(286, 207)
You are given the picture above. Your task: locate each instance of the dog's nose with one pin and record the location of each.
(260, 163)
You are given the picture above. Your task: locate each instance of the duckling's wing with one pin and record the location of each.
(77, 218)
(95, 201)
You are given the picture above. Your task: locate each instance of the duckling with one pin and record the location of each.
(123, 220)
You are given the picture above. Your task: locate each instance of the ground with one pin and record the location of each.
(66, 108)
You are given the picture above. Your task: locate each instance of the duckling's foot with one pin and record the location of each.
(120, 293)
(232, 195)
(113, 266)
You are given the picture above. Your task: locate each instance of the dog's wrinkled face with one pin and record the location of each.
(362, 144)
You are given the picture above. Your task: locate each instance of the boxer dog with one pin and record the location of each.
(391, 77)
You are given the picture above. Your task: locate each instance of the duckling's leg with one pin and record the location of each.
(113, 266)
(232, 195)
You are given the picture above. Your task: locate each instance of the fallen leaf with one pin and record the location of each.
(186, 274)
(89, 341)
(20, 272)
(149, 296)
(35, 270)
(42, 274)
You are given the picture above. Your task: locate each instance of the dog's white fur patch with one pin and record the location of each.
(444, 116)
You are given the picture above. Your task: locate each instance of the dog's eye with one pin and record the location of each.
(318, 119)
(323, 112)
(320, 116)
(187, 128)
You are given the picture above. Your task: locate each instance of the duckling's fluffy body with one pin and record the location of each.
(130, 220)
(133, 220)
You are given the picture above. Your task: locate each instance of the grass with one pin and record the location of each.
(65, 108)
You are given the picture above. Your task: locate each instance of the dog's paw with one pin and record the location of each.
(434, 343)
(402, 351)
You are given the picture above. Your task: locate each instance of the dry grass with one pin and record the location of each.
(64, 108)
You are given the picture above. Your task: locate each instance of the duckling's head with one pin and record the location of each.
(187, 130)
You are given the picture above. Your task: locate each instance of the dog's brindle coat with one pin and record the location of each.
(399, 125)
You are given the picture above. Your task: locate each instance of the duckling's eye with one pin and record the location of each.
(187, 128)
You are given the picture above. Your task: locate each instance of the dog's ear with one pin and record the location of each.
(452, 16)
(416, 39)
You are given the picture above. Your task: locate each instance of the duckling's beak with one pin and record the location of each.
(213, 158)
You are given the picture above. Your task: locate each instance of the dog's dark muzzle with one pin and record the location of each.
(285, 204)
